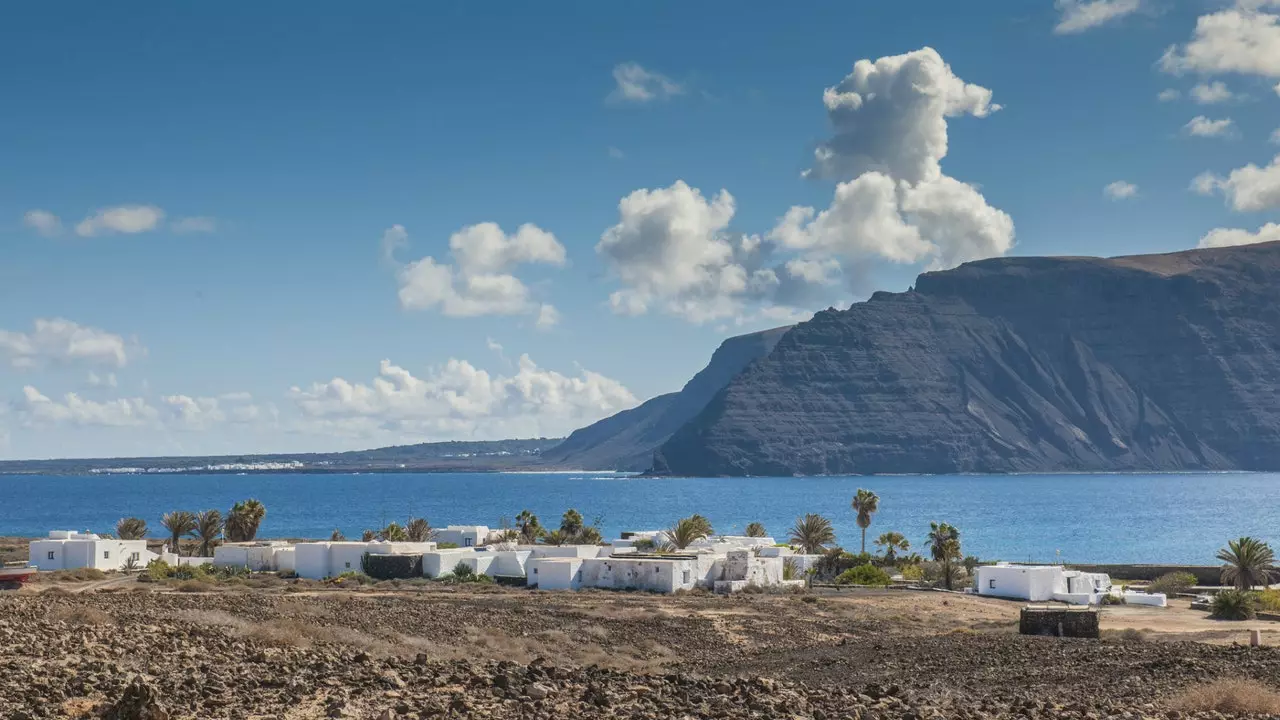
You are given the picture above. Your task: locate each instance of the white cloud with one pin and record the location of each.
(196, 224)
(1081, 15)
(480, 282)
(107, 380)
(460, 400)
(673, 249)
(616, 154)
(43, 222)
(890, 115)
(890, 135)
(174, 412)
(193, 413)
(36, 409)
(1236, 40)
(56, 340)
(1212, 92)
(1168, 95)
(123, 219)
(635, 84)
(1224, 237)
(1120, 190)
(1201, 126)
(548, 317)
(1275, 137)
(670, 243)
(1247, 189)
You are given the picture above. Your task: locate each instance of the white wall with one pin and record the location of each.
(556, 573)
(463, 535)
(1036, 583)
(88, 551)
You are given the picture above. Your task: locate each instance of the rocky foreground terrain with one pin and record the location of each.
(1150, 362)
(130, 652)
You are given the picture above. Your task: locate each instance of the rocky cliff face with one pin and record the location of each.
(627, 440)
(1158, 362)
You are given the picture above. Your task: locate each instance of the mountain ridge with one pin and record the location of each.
(1149, 362)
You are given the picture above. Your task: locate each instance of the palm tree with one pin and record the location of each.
(865, 503)
(418, 530)
(703, 524)
(892, 542)
(812, 533)
(530, 529)
(393, 533)
(367, 536)
(588, 535)
(244, 519)
(571, 523)
(556, 537)
(131, 528)
(337, 536)
(944, 546)
(756, 529)
(208, 527)
(178, 523)
(1247, 562)
(686, 532)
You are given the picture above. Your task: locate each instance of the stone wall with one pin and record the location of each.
(1059, 622)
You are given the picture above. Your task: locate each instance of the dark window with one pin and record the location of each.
(106, 554)
(991, 583)
(50, 554)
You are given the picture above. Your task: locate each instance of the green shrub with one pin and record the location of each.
(1233, 605)
(287, 574)
(912, 573)
(351, 577)
(863, 575)
(1110, 599)
(156, 570)
(1268, 600)
(463, 573)
(447, 546)
(1172, 583)
(191, 572)
(791, 569)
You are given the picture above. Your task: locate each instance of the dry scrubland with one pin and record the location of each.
(279, 649)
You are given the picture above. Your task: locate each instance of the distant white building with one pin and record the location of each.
(68, 550)
(727, 572)
(1039, 583)
(464, 535)
(318, 560)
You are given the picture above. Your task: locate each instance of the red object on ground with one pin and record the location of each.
(15, 577)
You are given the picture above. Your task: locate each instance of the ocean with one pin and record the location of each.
(1181, 518)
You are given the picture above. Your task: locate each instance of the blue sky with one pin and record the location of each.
(214, 218)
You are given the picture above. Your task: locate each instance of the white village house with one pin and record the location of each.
(68, 550)
(1040, 583)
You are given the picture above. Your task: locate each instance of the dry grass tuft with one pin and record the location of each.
(1231, 697)
(76, 575)
(1127, 635)
(193, 586)
(79, 615)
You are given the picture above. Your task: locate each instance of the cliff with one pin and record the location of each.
(1158, 362)
(627, 440)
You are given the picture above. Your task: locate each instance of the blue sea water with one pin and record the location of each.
(1075, 518)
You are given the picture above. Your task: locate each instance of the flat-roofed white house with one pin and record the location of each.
(68, 550)
(319, 560)
(1039, 583)
(730, 572)
(463, 535)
